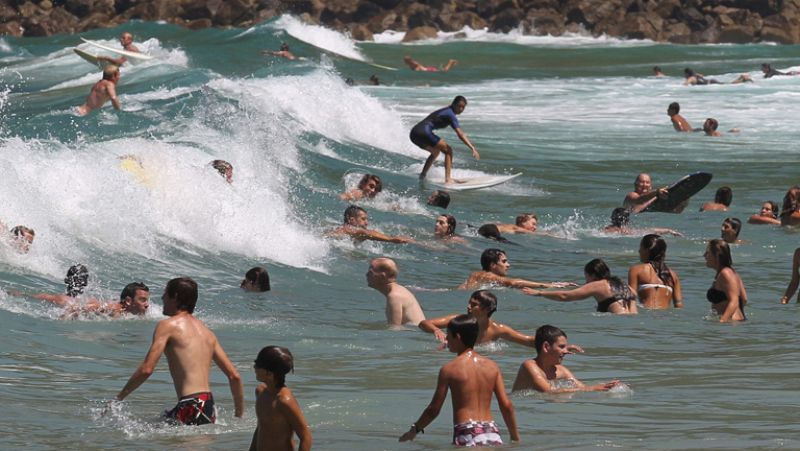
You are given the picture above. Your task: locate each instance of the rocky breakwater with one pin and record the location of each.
(678, 21)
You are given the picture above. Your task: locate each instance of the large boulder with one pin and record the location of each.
(779, 28)
(416, 34)
(546, 21)
(641, 26)
(506, 20)
(457, 21)
(11, 28)
(360, 32)
(678, 33)
(388, 20)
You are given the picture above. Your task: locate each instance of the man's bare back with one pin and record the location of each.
(681, 124)
(102, 91)
(402, 306)
(273, 429)
(472, 379)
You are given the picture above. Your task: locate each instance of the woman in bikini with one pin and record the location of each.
(612, 294)
(790, 213)
(656, 284)
(727, 294)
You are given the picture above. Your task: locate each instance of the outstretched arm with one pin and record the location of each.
(587, 290)
(434, 326)
(523, 283)
(463, 137)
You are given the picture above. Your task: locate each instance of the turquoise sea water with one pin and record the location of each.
(578, 116)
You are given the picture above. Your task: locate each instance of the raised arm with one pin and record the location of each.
(432, 411)
(234, 379)
(160, 339)
(290, 410)
(795, 281)
(506, 407)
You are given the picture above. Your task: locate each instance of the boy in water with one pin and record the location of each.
(279, 414)
(472, 379)
(679, 122)
(542, 372)
(102, 91)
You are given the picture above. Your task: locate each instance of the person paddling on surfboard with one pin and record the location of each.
(283, 52)
(126, 39)
(102, 91)
(422, 136)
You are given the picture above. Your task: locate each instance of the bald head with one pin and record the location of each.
(386, 266)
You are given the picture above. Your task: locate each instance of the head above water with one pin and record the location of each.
(439, 199)
(284, 47)
(724, 196)
(465, 329)
(791, 201)
(765, 67)
(371, 185)
(278, 361)
(710, 125)
(547, 334)
(491, 256)
(224, 168)
(449, 222)
(256, 279)
(730, 229)
(184, 291)
(597, 269)
(620, 217)
(770, 209)
(486, 299)
(130, 290)
(524, 221)
(76, 280)
(673, 108)
(110, 72)
(721, 253)
(351, 214)
(688, 72)
(492, 232)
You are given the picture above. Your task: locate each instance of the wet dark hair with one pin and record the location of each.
(713, 124)
(487, 299)
(439, 199)
(656, 254)
(492, 232)
(656, 69)
(349, 81)
(184, 290)
(76, 280)
(766, 66)
(259, 276)
(451, 224)
(791, 201)
(598, 269)
(724, 196)
(374, 80)
(351, 212)
(278, 361)
(284, 47)
(466, 327)
(130, 290)
(620, 217)
(524, 217)
(490, 256)
(774, 207)
(720, 249)
(366, 179)
(674, 106)
(547, 334)
(457, 100)
(688, 72)
(735, 223)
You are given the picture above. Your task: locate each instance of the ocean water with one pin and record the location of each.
(578, 116)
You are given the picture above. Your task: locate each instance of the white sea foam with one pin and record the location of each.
(318, 36)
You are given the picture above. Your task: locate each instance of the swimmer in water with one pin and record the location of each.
(402, 306)
(679, 123)
(722, 200)
(693, 78)
(22, 238)
(495, 272)
(102, 91)
(283, 52)
(769, 72)
(727, 294)
(710, 128)
(256, 280)
(524, 223)
(543, 372)
(439, 199)
(422, 136)
(790, 211)
(729, 232)
(355, 226)
(445, 229)
(133, 300)
(368, 187)
(657, 72)
(620, 217)
(126, 40)
(643, 194)
(224, 168)
(795, 280)
(473, 381)
(656, 283)
(417, 67)
(767, 215)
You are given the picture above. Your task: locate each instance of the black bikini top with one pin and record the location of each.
(715, 296)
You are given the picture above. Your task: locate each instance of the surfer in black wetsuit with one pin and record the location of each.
(769, 72)
(422, 135)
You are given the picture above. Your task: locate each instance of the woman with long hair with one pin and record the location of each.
(727, 294)
(790, 213)
(656, 284)
(612, 294)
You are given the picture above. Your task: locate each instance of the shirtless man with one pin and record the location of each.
(722, 200)
(102, 91)
(368, 187)
(417, 67)
(620, 217)
(545, 370)
(710, 127)
(134, 298)
(126, 39)
(284, 52)
(401, 305)
(495, 269)
(355, 226)
(423, 137)
(679, 122)
(524, 223)
(643, 194)
(190, 347)
(482, 304)
(657, 72)
(472, 379)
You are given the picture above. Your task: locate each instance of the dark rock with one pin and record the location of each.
(422, 18)
(778, 28)
(640, 26)
(28, 10)
(198, 24)
(546, 21)
(457, 21)
(68, 23)
(96, 20)
(386, 4)
(506, 20)
(415, 34)
(678, 33)
(366, 11)
(11, 28)
(360, 32)
(384, 21)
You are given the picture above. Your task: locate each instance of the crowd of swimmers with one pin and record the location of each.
(472, 380)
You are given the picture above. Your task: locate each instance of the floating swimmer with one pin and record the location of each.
(418, 67)
(256, 280)
(368, 187)
(722, 200)
(355, 226)
(495, 269)
(544, 371)
(283, 52)
(767, 215)
(102, 91)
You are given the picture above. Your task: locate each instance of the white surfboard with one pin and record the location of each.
(89, 58)
(135, 55)
(469, 183)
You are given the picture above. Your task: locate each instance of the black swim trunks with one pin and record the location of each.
(193, 410)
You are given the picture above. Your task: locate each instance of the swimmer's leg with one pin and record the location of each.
(429, 162)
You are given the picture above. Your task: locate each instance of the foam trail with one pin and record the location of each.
(320, 37)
